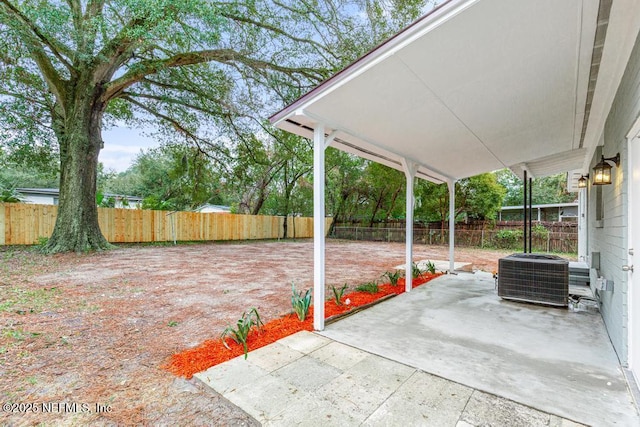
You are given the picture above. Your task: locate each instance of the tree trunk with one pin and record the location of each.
(393, 203)
(376, 208)
(80, 139)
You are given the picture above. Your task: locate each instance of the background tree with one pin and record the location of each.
(68, 68)
(170, 177)
(188, 68)
(477, 197)
(344, 184)
(548, 189)
(383, 186)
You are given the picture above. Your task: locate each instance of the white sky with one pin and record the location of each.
(121, 146)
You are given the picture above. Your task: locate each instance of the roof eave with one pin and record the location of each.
(430, 20)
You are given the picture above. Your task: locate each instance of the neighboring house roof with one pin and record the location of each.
(542, 206)
(39, 191)
(213, 208)
(55, 192)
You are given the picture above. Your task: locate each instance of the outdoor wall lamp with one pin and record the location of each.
(583, 180)
(602, 171)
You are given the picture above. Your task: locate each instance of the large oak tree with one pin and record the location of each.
(68, 68)
(193, 68)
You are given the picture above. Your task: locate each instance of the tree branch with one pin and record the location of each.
(225, 56)
(24, 98)
(161, 98)
(114, 52)
(173, 122)
(53, 45)
(76, 12)
(244, 19)
(94, 8)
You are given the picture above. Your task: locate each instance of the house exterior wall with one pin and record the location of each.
(608, 234)
(40, 199)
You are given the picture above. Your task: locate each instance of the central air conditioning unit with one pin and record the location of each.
(537, 278)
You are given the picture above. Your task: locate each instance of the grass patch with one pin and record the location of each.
(24, 301)
(18, 334)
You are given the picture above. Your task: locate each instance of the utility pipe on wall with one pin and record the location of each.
(530, 212)
(524, 212)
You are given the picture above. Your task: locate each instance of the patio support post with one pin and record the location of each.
(318, 227)
(531, 211)
(452, 224)
(410, 170)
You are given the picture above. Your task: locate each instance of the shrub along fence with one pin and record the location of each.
(26, 224)
(503, 238)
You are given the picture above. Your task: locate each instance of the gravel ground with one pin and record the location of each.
(84, 335)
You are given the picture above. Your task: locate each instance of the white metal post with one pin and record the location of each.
(318, 228)
(452, 224)
(582, 225)
(410, 170)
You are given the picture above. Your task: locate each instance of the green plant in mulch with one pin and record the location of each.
(300, 302)
(393, 277)
(431, 267)
(240, 332)
(415, 270)
(371, 287)
(338, 293)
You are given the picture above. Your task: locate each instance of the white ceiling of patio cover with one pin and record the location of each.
(489, 84)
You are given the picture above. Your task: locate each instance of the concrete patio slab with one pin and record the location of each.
(456, 327)
(335, 384)
(433, 402)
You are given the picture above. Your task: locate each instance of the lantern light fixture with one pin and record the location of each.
(602, 171)
(583, 181)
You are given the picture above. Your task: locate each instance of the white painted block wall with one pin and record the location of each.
(611, 238)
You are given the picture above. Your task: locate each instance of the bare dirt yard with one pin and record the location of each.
(84, 335)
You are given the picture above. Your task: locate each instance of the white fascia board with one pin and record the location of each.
(583, 66)
(622, 32)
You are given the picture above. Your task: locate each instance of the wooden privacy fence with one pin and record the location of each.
(25, 224)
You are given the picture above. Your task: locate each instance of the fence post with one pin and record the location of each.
(548, 242)
(482, 239)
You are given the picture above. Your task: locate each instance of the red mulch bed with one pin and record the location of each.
(213, 352)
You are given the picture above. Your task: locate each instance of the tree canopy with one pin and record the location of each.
(192, 68)
(203, 74)
(548, 189)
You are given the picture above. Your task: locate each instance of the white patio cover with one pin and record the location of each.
(476, 86)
